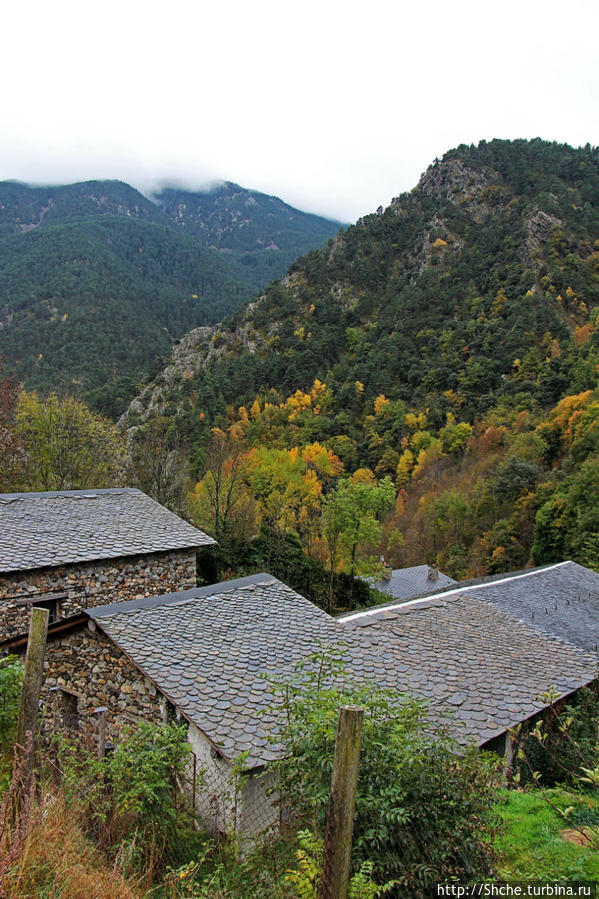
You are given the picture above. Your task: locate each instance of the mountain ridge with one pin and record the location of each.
(494, 248)
(448, 344)
(101, 252)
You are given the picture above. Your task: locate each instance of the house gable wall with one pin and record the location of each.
(247, 811)
(93, 583)
(86, 665)
(86, 668)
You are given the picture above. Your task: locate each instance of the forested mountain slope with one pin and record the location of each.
(230, 217)
(449, 342)
(96, 280)
(464, 290)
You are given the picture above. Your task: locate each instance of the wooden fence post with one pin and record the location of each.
(101, 713)
(342, 804)
(30, 695)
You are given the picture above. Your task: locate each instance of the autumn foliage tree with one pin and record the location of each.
(221, 502)
(67, 447)
(158, 463)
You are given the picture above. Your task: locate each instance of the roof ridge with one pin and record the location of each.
(55, 494)
(180, 596)
(79, 526)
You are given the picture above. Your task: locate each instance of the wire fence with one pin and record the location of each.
(230, 802)
(225, 799)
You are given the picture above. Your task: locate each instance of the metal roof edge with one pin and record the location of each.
(455, 591)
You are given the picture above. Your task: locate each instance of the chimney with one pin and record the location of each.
(433, 573)
(387, 572)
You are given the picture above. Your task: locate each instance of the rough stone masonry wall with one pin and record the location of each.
(87, 666)
(94, 583)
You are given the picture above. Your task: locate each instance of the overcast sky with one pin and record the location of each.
(336, 106)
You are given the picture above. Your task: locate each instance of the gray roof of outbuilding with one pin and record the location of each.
(464, 653)
(214, 652)
(38, 530)
(414, 581)
(561, 600)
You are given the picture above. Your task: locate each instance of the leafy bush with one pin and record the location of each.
(11, 677)
(423, 804)
(306, 878)
(134, 804)
(556, 748)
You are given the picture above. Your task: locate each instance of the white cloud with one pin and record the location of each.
(336, 106)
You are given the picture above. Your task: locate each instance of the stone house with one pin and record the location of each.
(70, 550)
(212, 655)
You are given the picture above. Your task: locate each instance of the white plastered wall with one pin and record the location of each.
(253, 812)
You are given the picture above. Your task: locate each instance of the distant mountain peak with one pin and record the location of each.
(96, 279)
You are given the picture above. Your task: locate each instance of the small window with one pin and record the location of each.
(49, 601)
(50, 604)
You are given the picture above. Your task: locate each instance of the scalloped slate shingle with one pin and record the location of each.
(562, 600)
(214, 651)
(38, 530)
(464, 653)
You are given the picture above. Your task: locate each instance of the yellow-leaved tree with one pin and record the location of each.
(65, 446)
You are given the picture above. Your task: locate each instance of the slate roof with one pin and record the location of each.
(46, 529)
(408, 582)
(212, 650)
(561, 600)
(462, 653)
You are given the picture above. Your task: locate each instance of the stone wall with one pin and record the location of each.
(83, 671)
(95, 583)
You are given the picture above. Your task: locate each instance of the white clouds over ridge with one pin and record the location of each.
(334, 106)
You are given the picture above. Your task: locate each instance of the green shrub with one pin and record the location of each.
(136, 809)
(11, 678)
(565, 740)
(306, 878)
(423, 803)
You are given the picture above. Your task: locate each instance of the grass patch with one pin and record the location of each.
(530, 843)
(57, 861)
